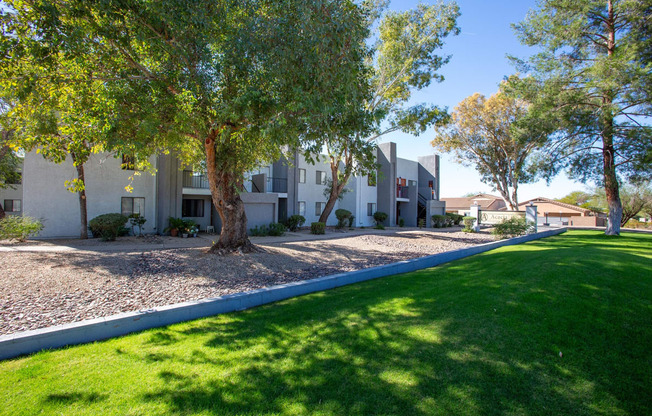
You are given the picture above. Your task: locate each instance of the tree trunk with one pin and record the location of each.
(83, 213)
(608, 155)
(226, 198)
(2, 212)
(336, 189)
(515, 197)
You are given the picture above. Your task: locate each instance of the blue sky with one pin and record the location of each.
(478, 64)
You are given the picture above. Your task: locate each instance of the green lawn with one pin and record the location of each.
(477, 336)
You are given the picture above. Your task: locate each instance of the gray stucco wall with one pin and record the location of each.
(429, 171)
(46, 197)
(386, 186)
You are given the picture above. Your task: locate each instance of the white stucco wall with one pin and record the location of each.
(46, 197)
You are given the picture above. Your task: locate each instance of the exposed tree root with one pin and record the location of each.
(243, 248)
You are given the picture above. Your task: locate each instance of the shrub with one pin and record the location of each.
(108, 226)
(513, 227)
(455, 219)
(295, 221)
(379, 226)
(18, 227)
(137, 220)
(351, 218)
(422, 223)
(261, 231)
(317, 228)
(175, 224)
(379, 217)
(276, 229)
(468, 224)
(342, 216)
(439, 221)
(401, 222)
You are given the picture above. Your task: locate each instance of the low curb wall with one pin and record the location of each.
(21, 343)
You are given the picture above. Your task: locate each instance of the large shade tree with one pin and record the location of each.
(404, 58)
(223, 83)
(593, 79)
(495, 136)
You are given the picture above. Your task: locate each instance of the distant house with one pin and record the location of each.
(555, 213)
(485, 201)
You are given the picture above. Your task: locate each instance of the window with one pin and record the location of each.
(302, 176)
(371, 209)
(321, 178)
(12, 205)
(371, 179)
(133, 205)
(128, 162)
(302, 208)
(192, 208)
(319, 207)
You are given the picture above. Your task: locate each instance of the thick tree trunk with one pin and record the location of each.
(226, 198)
(83, 213)
(515, 197)
(2, 212)
(336, 189)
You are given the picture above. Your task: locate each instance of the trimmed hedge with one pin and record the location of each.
(468, 224)
(108, 226)
(342, 216)
(295, 221)
(274, 229)
(317, 228)
(513, 227)
(439, 221)
(455, 219)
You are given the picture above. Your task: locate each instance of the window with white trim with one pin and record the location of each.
(371, 209)
(302, 176)
(12, 205)
(302, 208)
(321, 178)
(319, 207)
(132, 205)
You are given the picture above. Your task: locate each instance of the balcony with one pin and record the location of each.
(194, 180)
(402, 192)
(277, 185)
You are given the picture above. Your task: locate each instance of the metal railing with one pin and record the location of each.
(194, 180)
(402, 192)
(277, 185)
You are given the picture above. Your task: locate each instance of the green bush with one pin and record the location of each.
(108, 226)
(257, 231)
(455, 219)
(379, 217)
(295, 221)
(175, 224)
(317, 228)
(19, 227)
(277, 229)
(439, 221)
(274, 229)
(342, 216)
(401, 222)
(351, 218)
(468, 224)
(422, 223)
(513, 227)
(137, 220)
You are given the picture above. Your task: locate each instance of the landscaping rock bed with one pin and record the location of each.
(41, 289)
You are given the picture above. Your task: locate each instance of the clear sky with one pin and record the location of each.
(478, 64)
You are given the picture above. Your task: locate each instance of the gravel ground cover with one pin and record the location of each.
(41, 289)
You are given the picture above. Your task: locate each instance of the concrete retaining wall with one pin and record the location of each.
(27, 342)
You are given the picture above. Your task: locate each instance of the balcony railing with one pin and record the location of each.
(277, 185)
(402, 192)
(194, 180)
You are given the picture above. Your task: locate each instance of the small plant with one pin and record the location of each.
(422, 223)
(342, 216)
(276, 229)
(380, 217)
(513, 227)
(175, 225)
(439, 221)
(137, 220)
(468, 224)
(257, 231)
(295, 221)
(455, 219)
(401, 222)
(19, 227)
(317, 228)
(108, 226)
(351, 218)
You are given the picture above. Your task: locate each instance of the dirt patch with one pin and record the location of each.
(38, 290)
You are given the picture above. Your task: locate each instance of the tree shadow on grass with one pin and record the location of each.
(419, 344)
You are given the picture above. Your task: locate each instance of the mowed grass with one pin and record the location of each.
(479, 336)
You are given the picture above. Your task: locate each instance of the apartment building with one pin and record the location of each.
(404, 189)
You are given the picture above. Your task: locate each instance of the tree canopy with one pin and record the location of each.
(592, 78)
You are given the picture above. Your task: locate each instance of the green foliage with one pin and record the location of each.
(19, 227)
(590, 79)
(317, 228)
(295, 221)
(107, 226)
(401, 222)
(439, 221)
(468, 224)
(379, 217)
(351, 220)
(274, 229)
(137, 220)
(454, 219)
(379, 227)
(343, 217)
(178, 224)
(513, 227)
(422, 223)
